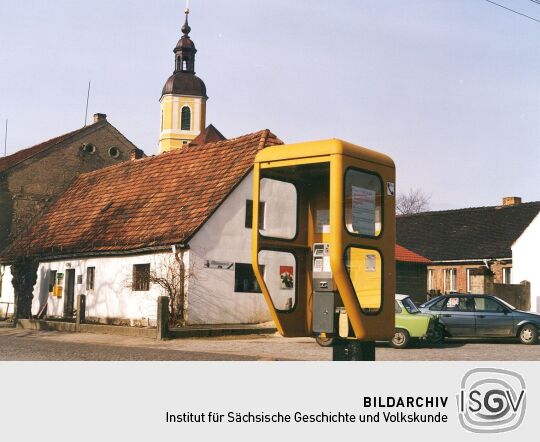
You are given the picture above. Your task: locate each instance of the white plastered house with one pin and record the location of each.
(114, 225)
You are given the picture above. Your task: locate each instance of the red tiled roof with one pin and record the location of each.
(406, 255)
(23, 154)
(151, 202)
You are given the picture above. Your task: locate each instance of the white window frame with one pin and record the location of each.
(452, 272)
(504, 278)
(430, 279)
(468, 277)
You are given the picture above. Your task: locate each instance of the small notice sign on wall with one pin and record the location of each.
(323, 221)
(371, 263)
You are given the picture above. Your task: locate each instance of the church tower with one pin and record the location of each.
(183, 100)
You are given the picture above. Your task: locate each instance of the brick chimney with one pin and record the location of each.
(100, 117)
(136, 154)
(511, 200)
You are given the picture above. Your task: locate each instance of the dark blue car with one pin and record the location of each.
(482, 316)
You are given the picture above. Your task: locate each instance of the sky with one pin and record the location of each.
(450, 89)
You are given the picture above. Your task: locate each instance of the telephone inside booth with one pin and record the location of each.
(323, 252)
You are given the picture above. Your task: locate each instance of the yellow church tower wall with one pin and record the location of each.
(183, 99)
(174, 132)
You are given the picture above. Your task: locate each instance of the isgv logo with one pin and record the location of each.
(491, 400)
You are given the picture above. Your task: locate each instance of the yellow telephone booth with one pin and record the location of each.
(323, 252)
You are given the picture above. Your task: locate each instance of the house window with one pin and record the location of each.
(141, 277)
(430, 280)
(52, 280)
(449, 280)
(90, 277)
(249, 214)
(507, 275)
(185, 120)
(244, 279)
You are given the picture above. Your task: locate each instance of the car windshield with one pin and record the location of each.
(511, 307)
(430, 302)
(409, 305)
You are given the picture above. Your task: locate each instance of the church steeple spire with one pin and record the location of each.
(185, 50)
(183, 99)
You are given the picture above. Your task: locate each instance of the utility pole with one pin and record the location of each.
(87, 100)
(5, 139)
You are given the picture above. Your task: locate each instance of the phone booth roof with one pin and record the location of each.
(316, 149)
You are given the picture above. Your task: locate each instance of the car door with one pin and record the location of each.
(457, 316)
(492, 318)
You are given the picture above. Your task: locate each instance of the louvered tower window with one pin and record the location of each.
(185, 122)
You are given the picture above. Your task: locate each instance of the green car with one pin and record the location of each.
(412, 324)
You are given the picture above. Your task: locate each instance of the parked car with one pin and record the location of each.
(410, 324)
(465, 315)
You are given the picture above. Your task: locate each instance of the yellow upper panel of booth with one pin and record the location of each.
(321, 149)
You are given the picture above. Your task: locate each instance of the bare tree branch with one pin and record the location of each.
(172, 277)
(415, 201)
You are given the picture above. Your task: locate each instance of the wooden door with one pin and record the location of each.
(69, 297)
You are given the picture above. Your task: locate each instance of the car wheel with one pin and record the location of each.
(401, 338)
(325, 342)
(437, 335)
(528, 334)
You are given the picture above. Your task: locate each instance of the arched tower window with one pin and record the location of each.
(185, 121)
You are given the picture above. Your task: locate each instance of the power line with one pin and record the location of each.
(515, 12)
(535, 1)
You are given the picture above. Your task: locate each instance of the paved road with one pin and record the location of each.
(32, 345)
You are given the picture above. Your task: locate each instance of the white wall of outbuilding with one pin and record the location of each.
(524, 265)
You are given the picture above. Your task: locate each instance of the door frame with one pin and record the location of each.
(69, 293)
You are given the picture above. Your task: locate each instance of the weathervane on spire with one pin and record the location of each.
(186, 29)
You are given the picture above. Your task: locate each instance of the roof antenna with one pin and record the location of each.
(5, 139)
(87, 100)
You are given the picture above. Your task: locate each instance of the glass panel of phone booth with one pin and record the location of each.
(280, 200)
(280, 278)
(363, 203)
(364, 267)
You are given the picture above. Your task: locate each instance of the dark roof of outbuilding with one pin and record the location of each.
(185, 83)
(148, 203)
(474, 233)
